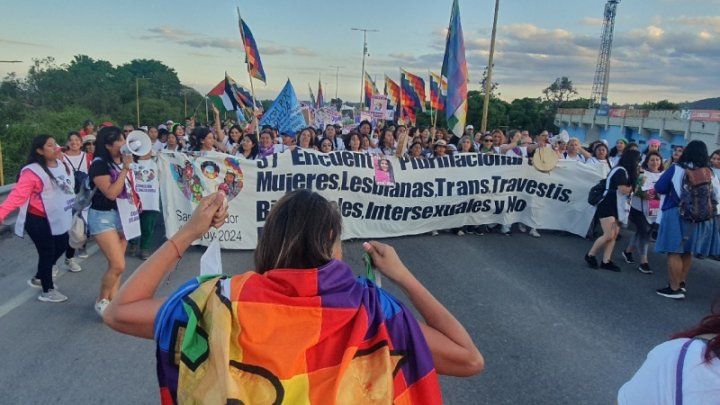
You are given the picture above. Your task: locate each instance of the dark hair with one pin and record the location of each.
(73, 133)
(395, 132)
(197, 136)
(695, 154)
(349, 137)
(709, 324)
(715, 152)
(630, 160)
(33, 157)
(647, 158)
(324, 138)
(364, 122)
(412, 146)
(598, 146)
(255, 148)
(511, 133)
(293, 241)
(237, 128)
(106, 136)
(383, 135)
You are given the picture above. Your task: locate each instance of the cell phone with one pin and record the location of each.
(371, 272)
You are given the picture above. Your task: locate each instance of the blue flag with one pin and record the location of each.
(285, 113)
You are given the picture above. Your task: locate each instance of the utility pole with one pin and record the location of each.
(137, 99)
(365, 53)
(337, 78)
(488, 79)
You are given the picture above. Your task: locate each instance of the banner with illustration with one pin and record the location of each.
(379, 196)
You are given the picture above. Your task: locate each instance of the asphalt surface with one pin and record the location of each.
(552, 331)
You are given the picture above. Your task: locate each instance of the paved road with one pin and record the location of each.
(552, 331)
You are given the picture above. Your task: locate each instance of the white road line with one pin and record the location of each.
(30, 293)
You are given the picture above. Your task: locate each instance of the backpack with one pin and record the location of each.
(697, 198)
(80, 176)
(598, 192)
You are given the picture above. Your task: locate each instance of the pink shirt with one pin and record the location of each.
(29, 186)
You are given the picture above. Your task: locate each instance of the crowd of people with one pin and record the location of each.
(669, 202)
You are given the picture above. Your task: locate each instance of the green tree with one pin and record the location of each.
(560, 91)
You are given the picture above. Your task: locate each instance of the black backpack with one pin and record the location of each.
(598, 192)
(80, 176)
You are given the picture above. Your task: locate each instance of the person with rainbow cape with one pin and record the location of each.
(300, 328)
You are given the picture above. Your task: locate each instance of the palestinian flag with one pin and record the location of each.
(228, 95)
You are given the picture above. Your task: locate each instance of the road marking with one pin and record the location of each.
(28, 294)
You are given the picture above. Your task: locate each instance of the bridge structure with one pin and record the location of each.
(640, 126)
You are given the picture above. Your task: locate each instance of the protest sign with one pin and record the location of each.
(326, 116)
(378, 106)
(285, 113)
(382, 197)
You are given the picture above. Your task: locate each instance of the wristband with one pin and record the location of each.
(177, 249)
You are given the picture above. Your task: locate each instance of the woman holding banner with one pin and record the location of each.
(386, 144)
(232, 313)
(248, 147)
(112, 218)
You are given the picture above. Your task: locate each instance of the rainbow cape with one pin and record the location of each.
(291, 336)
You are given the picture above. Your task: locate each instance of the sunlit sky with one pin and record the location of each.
(664, 49)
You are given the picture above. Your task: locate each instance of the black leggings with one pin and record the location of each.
(49, 247)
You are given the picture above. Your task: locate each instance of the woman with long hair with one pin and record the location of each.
(617, 151)
(202, 140)
(248, 147)
(79, 162)
(326, 145)
(465, 145)
(681, 237)
(179, 131)
(301, 302)
(610, 210)
(644, 208)
(386, 143)
(306, 139)
(45, 194)
(111, 175)
(685, 369)
(352, 142)
(232, 142)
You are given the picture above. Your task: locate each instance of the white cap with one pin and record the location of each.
(470, 127)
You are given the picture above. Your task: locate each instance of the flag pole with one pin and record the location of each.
(488, 78)
(400, 103)
(247, 65)
(431, 100)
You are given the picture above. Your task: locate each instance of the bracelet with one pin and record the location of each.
(177, 249)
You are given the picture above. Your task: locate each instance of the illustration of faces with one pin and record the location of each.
(233, 181)
(187, 181)
(210, 169)
(64, 183)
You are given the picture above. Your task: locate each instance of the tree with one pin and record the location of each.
(660, 105)
(560, 91)
(493, 86)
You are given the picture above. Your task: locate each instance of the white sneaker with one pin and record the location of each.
(505, 229)
(460, 233)
(52, 296)
(101, 305)
(82, 253)
(522, 228)
(534, 233)
(34, 282)
(434, 233)
(55, 271)
(73, 265)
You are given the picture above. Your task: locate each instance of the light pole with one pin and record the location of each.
(488, 79)
(365, 52)
(137, 98)
(337, 78)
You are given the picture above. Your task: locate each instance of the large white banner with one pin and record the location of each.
(378, 196)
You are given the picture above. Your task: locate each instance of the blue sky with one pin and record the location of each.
(664, 48)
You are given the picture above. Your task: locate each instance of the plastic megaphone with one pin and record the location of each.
(136, 143)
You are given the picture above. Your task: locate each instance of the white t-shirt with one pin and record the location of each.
(654, 383)
(157, 146)
(78, 162)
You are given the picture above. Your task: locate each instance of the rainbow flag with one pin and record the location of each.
(392, 90)
(252, 55)
(320, 97)
(370, 89)
(413, 90)
(454, 70)
(313, 336)
(438, 89)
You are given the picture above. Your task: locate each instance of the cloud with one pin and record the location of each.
(195, 40)
(591, 21)
(22, 43)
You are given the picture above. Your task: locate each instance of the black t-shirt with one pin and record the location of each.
(102, 168)
(619, 178)
(455, 139)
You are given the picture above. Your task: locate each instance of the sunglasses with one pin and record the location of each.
(487, 140)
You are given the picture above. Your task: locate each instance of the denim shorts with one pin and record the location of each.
(103, 221)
